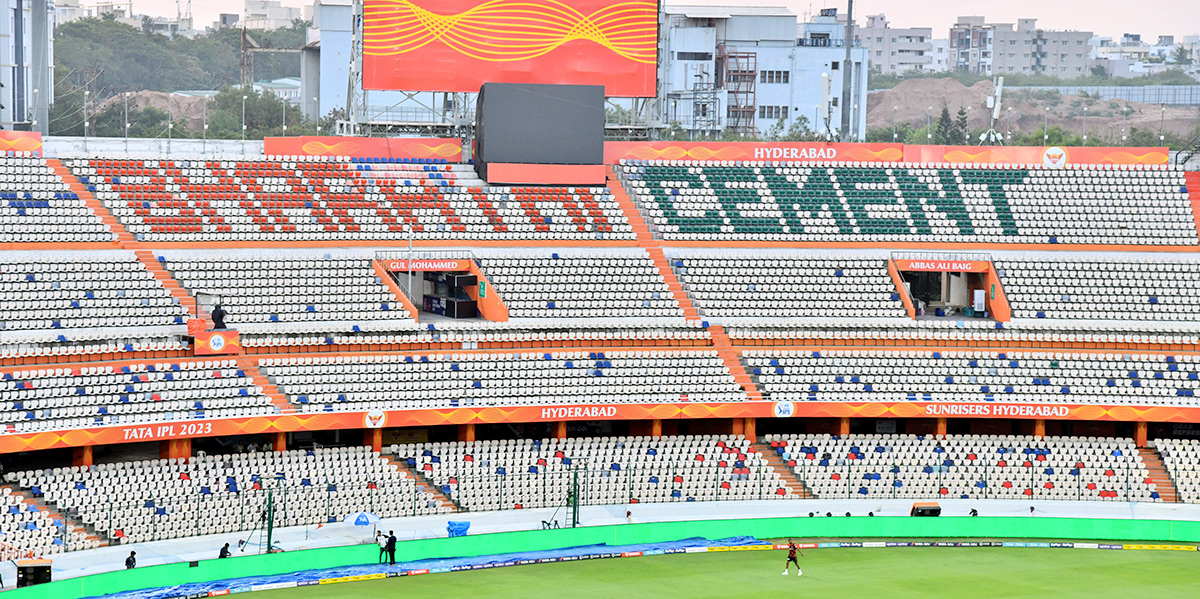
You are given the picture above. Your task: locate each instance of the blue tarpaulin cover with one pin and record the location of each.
(441, 564)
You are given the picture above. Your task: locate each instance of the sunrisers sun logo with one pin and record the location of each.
(375, 419)
(1054, 157)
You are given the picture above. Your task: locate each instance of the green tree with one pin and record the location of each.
(1180, 55)
(944, 133)
(962, 126)
(675, 132)
(777, 130)
(922, 136)
(108, 57)
(66, 114)
(1055, 136)
(800, 130)
(264, 116)
(884, 134)
(144, 122)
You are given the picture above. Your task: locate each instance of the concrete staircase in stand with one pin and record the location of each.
(249, 365)
(425, 486)
(799, 491)
(97, 208)
(632, 214)
(732, 357)
(668, 274)
(150, 261)
(69, 523)
(1159, 475)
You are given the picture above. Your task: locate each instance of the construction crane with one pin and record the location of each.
(250, 47)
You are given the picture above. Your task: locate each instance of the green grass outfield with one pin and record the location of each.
(875, 573)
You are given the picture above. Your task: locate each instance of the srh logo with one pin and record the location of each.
(376, 419)
(216, 342)
(1054, 157)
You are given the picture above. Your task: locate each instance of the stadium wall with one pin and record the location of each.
(627, 534)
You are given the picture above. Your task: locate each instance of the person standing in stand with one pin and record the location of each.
(218, 317)
(131, 561)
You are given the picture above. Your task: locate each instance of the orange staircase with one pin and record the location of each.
(249, 365)
(425, 486)
(165, 279)
(645, 239)
(733, 361)
(1158, 474)
(668, 275)
(123, 236)
(799, 491)
(1192, 180)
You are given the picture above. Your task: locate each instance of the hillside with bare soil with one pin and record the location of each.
(1024, 111)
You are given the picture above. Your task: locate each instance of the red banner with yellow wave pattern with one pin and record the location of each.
(615, 151)
(458, 45)
(10, 443)
(444, 148)
(21, 141)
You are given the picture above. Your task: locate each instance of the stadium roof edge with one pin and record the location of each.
(725, 12)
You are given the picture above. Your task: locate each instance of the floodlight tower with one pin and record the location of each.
(992, 137)
(825, 110)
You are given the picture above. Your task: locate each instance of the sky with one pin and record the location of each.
(1109, 18)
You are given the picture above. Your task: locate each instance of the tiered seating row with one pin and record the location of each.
(979, 376)
(164, 499)
(967, 467)
(1098, 289)
(268, 290)
(85, 291)
(94, 396)
(788, 286)
(391, 381)
(562, 285)
(25, 529)
(911, 203)
(531, 473)
(37, 206)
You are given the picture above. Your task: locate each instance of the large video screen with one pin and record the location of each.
(457, 45)
(540, 124)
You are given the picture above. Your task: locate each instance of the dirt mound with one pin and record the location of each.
(1023, 111)
(911, 100)
(186, 109)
